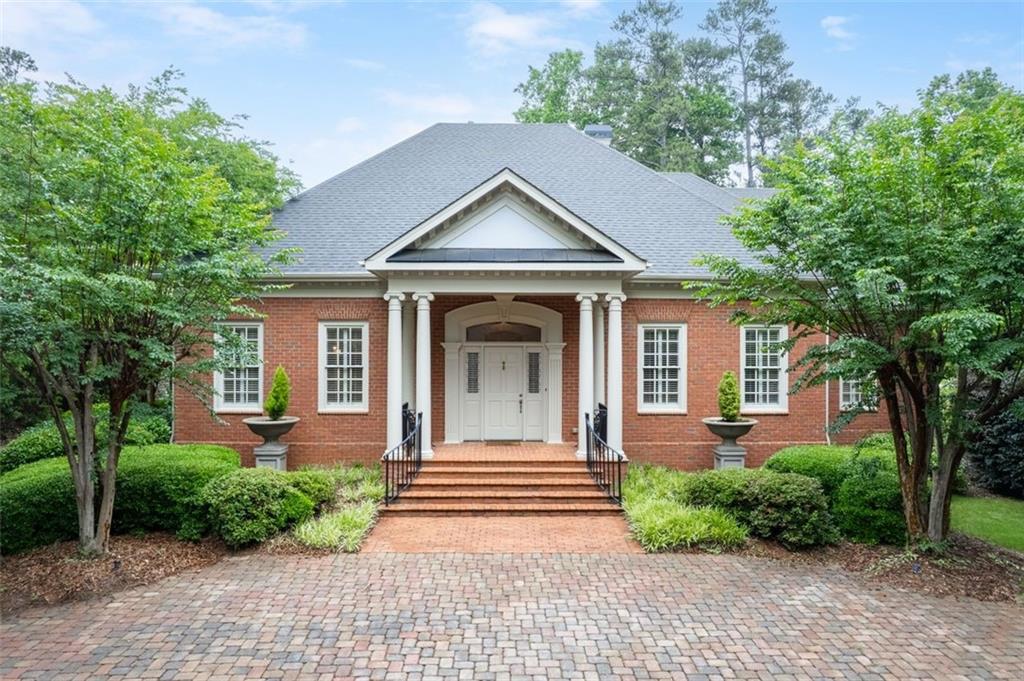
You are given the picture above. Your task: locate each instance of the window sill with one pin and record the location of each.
(665, 411)
(343, 410)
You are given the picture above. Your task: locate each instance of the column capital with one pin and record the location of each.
(428, 297)
(615, 298)
(394, 296)
(584, 298)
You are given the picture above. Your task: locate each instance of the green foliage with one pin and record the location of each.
(993, 519)
(318, 484)
(159, 488)
(343, 529)
(252, 505)
(149, 425)
(729, 397)
(130, 224)
(996, 456)
(664, 525)
(280, 393)
(787, 507)
(869, 504)
(21, 405)
(912, 227)
(829, 465)
(557, 92)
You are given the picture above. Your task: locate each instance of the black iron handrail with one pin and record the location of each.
(604, 462)
(402, 463)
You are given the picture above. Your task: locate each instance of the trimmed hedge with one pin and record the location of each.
(157, 489)
(790, 508)
(320, 485)
(252, 505)
(826, 464)
(149, 425)
(869, 504)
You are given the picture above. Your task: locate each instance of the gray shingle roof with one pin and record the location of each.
(349, 217)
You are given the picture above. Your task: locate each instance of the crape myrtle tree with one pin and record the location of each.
(130, 223)
(902, 238)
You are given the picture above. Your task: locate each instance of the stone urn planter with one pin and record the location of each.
(271, 454)
(729, 454)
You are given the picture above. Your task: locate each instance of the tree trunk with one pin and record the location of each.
(83, 461)
(942, 491)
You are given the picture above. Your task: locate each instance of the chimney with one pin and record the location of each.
(600, 132)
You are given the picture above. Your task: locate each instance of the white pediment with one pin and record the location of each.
(506, 223)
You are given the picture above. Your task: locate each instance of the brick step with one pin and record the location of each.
(414, 495)
(449, 462)
(506, 471)
(500, 486)
(486, 508)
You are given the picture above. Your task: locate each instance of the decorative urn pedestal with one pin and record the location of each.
(271, 454)
(729, 454)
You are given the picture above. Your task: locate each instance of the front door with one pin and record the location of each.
(503, 393)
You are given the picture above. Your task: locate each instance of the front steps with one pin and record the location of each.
(506, 482)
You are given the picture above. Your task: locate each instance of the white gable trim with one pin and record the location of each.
(478, 220)
(630, 262)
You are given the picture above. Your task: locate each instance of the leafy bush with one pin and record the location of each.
(644, 481)
(664, 525)
(784, 506)
(253, 504)
(149, 425)
(729, 397)
(829, 465)
(343, 529)
(996, 457)
(158, 487)
(316, 483)
(869, 504)
(359, 483)
(280, 393)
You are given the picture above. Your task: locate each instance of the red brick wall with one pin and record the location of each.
(290, 340)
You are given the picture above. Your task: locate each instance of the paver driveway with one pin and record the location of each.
(515, 616)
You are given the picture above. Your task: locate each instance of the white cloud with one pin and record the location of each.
(492, 30)
(23, 21)
(364, 64)
(581, 7)
(453, 106)
(957, 64)
(216, 29)
(978, 38)
(349, 124)
(835, 27)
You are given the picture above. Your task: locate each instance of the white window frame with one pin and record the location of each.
(679, 407)
(754, 408)
(323, 407)
(845, 405)
(218, 376)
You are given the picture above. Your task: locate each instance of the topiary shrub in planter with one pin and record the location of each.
(996, 456)
(279, 396)
(728, 425)
(158, 489)
(869, 504)
(252, 505)
(729, 397)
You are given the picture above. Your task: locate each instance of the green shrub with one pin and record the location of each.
(280, 393)
(790, 508)
(316, 483)
(358, 483)
(829, 465)
(253, 504)
(644, 481)
(869, 504)
(343, 529)
(157, 489)
(996, 457)
(149, 425)
(729, 397)
(664, 525)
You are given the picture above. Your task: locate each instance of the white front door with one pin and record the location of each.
(503, 393)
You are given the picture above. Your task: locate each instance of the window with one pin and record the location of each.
(343, 367)
(661, 366)
(764, 382)
(503, 332)
(473, 372)
(238, 385)
(851, 394)
(533, 373)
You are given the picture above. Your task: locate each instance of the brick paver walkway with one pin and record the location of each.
(417, 616)
(502, 534)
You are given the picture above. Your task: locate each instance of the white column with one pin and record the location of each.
(598, 354)
(615, 369)
(423, 366)
(586, 362)
(409, 354)
(394, 415)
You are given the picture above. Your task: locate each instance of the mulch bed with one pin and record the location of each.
(968, 567)
(56, 574)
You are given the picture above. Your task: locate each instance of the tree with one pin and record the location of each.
(902, 240)
(130, 223)
(12, 63)
(556, 93)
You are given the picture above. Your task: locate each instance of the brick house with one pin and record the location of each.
(504, 280)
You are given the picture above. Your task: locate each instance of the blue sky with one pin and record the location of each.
(330, 83)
